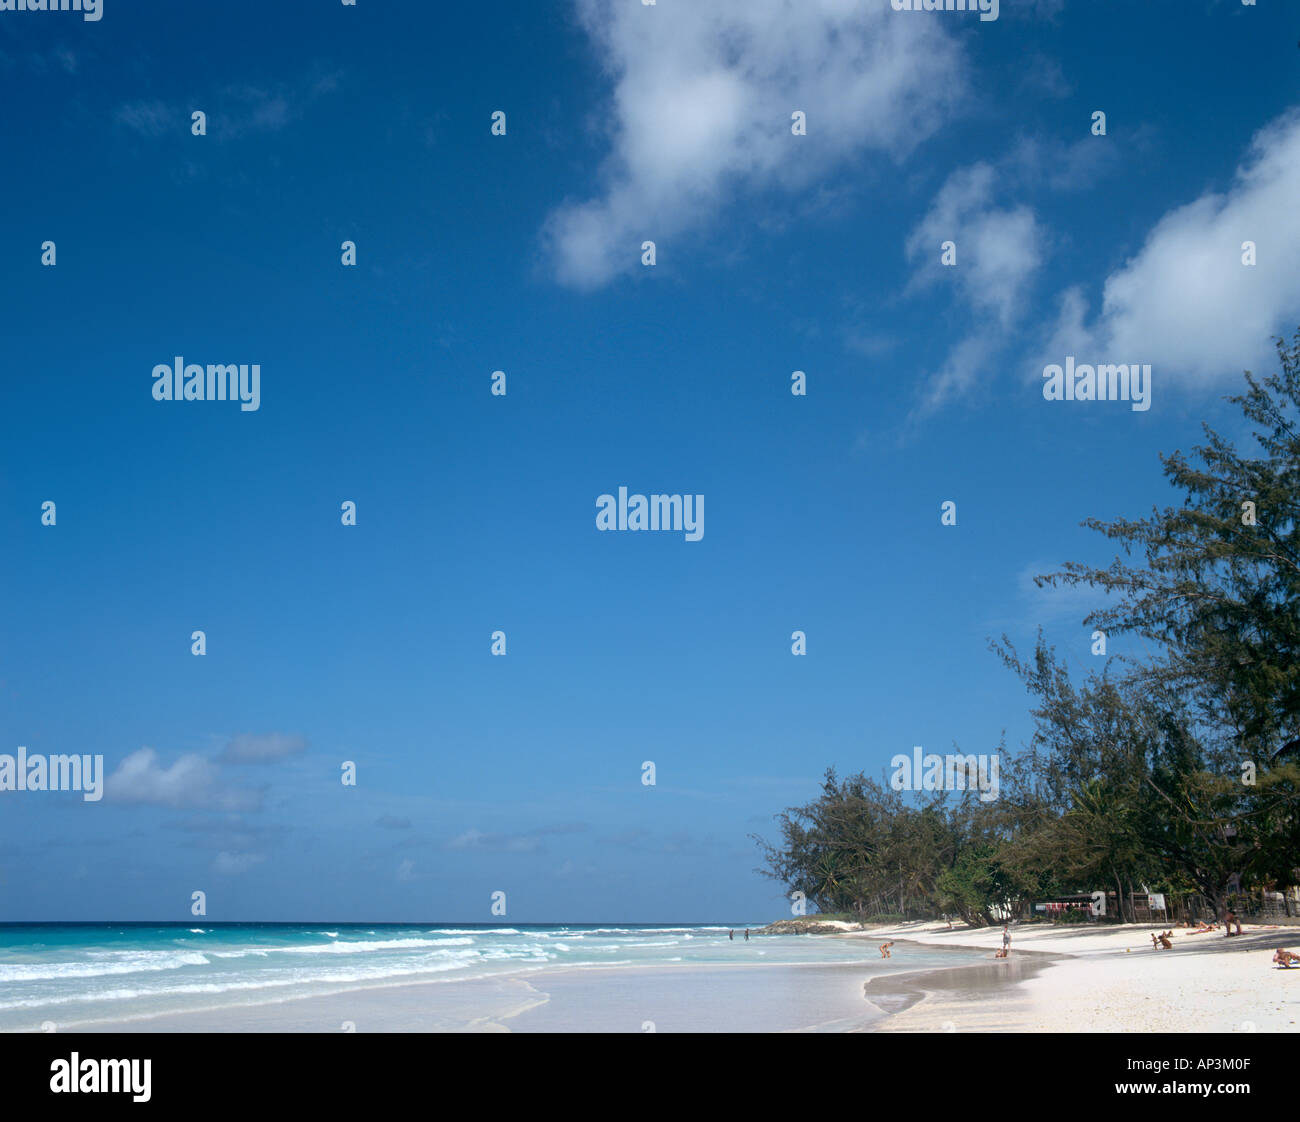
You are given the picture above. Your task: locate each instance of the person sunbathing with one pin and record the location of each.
(1285, 958)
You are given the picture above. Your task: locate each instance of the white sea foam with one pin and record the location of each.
(362, 946)
(472, 931)
(139, 962)
(359, 946)
(135, 973)
(304, 979)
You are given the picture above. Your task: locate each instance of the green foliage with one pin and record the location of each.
(976, 883)
(1134, 774)
(1219, 589)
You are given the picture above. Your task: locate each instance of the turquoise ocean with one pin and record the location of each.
(59, 976)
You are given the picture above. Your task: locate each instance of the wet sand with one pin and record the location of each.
(702, 999)
(741, 998)
(985, 995)
(1101, 978)
(471, 1005)
(979, 998)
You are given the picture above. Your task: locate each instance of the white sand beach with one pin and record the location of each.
(775, 998)
(1057, 979)
(1104, 979)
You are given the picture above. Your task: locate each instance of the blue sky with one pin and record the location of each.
(522, 253)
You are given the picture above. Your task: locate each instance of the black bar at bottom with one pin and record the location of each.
(339, 1071)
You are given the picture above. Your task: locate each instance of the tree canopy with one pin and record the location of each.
(1178, 773)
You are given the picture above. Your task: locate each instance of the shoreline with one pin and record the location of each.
(1098, 979)
(1057, 979)
(700, 997)
(978, 996)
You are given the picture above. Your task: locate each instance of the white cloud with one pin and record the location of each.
(999, 251)
(140, 778)
(190, 781)
(1185, 303)
(702, 109)
(966, 362)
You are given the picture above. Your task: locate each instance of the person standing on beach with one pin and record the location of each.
(1006, 940)
(731, 936)
(746, 934)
